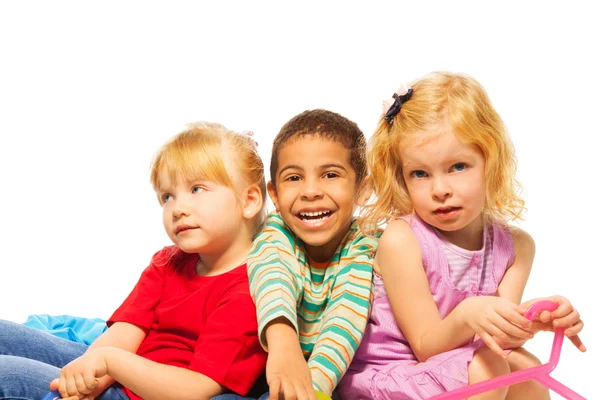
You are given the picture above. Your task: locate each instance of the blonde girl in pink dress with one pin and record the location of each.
(450, 270)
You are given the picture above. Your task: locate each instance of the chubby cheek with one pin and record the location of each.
(475, 195)
(167, 221)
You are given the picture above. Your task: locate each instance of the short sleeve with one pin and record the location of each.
(228, 351)
(273, 271)
(138, 308)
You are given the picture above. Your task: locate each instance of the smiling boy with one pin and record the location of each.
(311, 267)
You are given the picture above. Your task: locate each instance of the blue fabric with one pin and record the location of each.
(30, 359)
(74, 329)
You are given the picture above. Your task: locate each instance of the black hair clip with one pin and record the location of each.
(395, 107)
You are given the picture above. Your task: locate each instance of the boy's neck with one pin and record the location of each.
(324, 253)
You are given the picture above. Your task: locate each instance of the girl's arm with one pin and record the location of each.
(515, 278)
(400, 262)
(512, 287)
(148, 379)
(121, 335)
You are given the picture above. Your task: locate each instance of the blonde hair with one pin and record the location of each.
(198, 154)
(460, 102)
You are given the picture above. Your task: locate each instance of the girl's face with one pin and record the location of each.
(202, 216)
(445, 179)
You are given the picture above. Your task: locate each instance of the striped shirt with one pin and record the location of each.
(327, 304)
(469, 268)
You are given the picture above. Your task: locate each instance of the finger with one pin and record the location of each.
(545, 316)
(90, 382)
(564, 307)
(567, 320)
(301, 392)
(54, 384)
(541, 326)
(71, 386)
(491, 343)
(509, 330)
(274, 388)
(512, 315)
(494, 331)
(288, 390)
(62, 386)
(578, 343)
(80, 383)
(574, 329)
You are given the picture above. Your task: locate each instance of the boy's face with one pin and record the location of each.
(316, 192)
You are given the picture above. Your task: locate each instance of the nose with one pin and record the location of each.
(180, 208)
(441, 189)
(312, 189)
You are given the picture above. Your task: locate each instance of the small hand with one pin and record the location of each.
(565, 316)
(289, 377)
(495, 319)
(79, 378)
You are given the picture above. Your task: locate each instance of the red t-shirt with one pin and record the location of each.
(203, 323)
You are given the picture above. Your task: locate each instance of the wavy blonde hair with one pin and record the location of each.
(460, 102)
(200, 152)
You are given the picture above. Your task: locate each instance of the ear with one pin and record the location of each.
(252, 202)
(365, 191)
(273, 194)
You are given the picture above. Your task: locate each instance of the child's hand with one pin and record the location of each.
(495, 318)
(565, 316)
(288, 376)
(79, 378)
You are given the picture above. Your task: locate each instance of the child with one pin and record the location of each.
(450, 272)
(188, 329)
(310, 269)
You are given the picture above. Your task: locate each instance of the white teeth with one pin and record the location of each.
(313, 214)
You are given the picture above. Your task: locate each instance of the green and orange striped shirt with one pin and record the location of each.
(328, 303)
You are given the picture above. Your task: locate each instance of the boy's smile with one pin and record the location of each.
(315, 192)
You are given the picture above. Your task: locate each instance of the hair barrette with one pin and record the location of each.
(391, 107)
(250, 134)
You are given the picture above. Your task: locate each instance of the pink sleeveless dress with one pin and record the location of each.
(384, 366)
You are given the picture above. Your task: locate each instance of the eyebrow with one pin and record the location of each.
(324, 166)
(291, 166)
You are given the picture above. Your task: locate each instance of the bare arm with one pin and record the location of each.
(400, 261)
(151, 380)
(121, 335)
(513, 283)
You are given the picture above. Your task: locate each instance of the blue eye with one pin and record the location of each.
(459, 167)
(419, 173)
(166, 197)
(197, 189)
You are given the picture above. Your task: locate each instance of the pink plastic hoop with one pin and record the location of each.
(540, 373)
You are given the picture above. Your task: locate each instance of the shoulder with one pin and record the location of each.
(398, 239)
(275, 229)
(523, 242)
(397, 231)
(167, 255)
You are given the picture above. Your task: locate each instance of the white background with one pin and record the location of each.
(88, 92)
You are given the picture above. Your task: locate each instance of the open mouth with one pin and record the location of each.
(314, 217)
